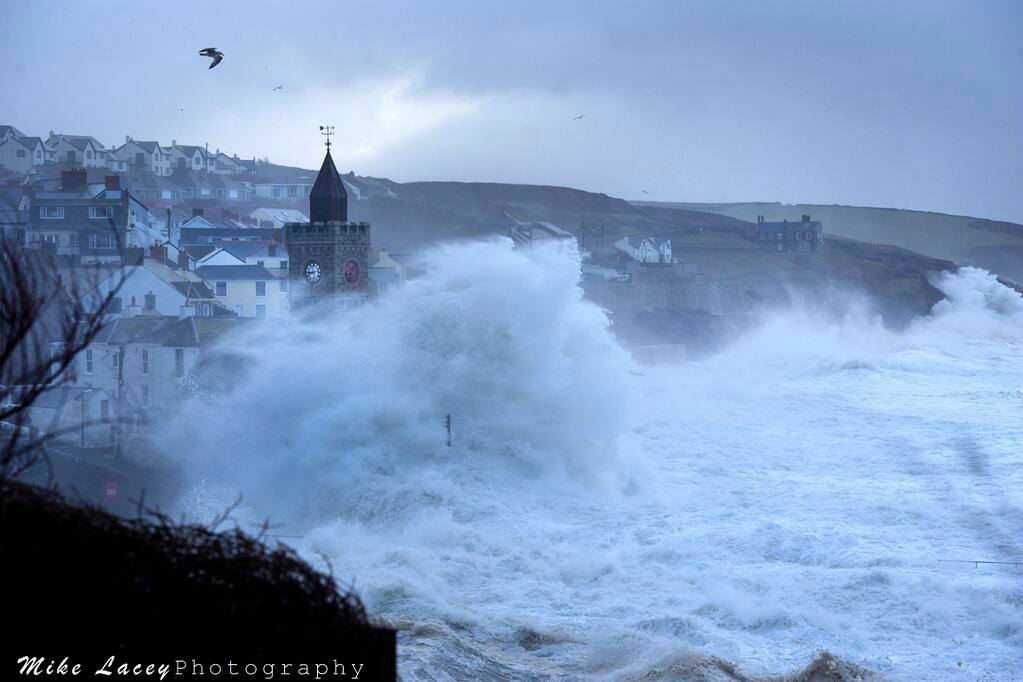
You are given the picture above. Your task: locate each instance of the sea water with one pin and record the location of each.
(821, 484)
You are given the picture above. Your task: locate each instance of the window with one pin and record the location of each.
(260, 263)
(21, 154)
(39, 153)
(88, 154)
(51, 212)
(284, 265)
(221, 288)
(260, 288)
(179, 362)
(52, 239)
(88, 361)
(271, 250)
(74, 240)
(275, 191)
(145, 362)
(145, 396)
(292, 191)
(260, 311)
(101, 211)
(92, 241)
(284, 283)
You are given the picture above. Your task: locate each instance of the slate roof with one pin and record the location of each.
(197, 251)
(190, 289)
(80, 141)
(233, 272)
(193, 331)
(4, 129)
(130, 329)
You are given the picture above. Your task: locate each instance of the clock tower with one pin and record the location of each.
(328, 257)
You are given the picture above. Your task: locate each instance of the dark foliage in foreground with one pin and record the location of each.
(169, 590)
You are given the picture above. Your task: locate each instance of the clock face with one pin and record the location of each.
(313, 272)
(352, 271)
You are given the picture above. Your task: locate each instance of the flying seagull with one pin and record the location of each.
(645, 192)
(213, 53)
(279, 87)
(578, 117)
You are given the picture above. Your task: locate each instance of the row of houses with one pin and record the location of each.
(23, 154)
(165, 175)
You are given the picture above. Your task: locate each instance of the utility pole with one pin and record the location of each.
(447, 425)
(120, 403)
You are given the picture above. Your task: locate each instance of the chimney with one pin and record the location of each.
(74, 178)
(760, 219)
(158, 252)
(174, 143)
(182, 260)
(150, 306)
(806, 218)
(197, 212)
(127, 139)
(132, 309)
(113, 182)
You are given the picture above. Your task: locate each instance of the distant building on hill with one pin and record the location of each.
(646, 249)
(805, 235)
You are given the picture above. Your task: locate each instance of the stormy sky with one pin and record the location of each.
(880, 103)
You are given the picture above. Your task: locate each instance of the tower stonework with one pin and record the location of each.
(328, 257)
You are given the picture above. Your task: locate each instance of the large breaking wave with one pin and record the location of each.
(792, 494)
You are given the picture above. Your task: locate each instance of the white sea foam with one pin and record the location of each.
(792, 494)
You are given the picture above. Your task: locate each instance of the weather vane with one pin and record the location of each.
(327, 131)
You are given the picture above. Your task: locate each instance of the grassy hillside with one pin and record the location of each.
(991, 244)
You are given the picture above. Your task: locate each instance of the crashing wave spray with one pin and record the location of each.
(498, 338)
(798, 487)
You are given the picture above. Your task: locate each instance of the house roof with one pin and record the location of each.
(191, 289)
(233, 272)
(80, 141)
(189, 149)
(194, 331)
(190, 235)
(197, 251)
(130, 329)
(4, 129)
(26, 142)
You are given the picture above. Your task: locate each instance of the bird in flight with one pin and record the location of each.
(578, 117)
(213, 53)
(645, 192)
(279, 87)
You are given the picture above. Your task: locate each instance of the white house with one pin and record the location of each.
(247, 290)
(144, 155)
(188, 157)
(646, 249)
(154, 288)
(80, 150)
(22, 154)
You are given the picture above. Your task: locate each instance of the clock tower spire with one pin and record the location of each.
(328, 256)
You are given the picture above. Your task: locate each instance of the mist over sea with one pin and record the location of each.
(803, 490)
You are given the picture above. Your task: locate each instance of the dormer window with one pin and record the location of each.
(51, 212)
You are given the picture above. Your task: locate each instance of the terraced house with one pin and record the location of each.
(80, 150)
(88, 224)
